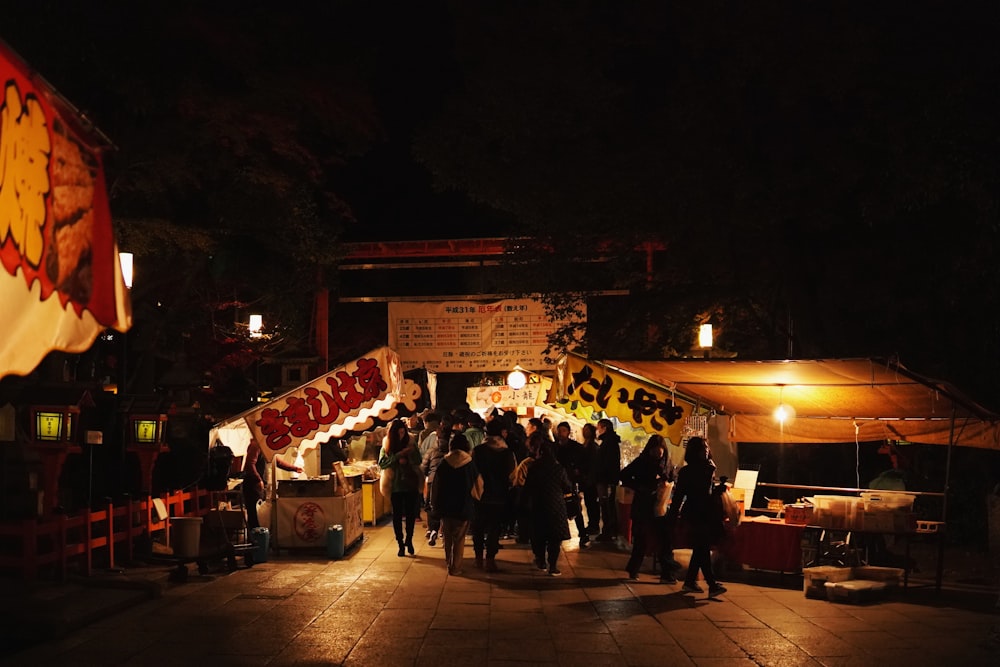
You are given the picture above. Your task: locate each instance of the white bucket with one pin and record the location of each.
(185, 535)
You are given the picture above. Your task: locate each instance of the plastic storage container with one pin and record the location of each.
(855, 590)
(185, 535)
(335, 541)
(838, 512)
(887, 501)
(260, 537)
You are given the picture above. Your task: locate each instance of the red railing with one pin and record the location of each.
(44, 545)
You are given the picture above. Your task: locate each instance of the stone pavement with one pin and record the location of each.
(374, 608)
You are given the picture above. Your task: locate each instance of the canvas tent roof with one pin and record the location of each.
(835, 400)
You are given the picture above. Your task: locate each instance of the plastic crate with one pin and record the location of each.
(929, 526)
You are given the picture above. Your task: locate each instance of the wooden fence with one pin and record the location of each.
(49, 546)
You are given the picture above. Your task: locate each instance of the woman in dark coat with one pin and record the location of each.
(546, 485)
(700, 513)
(402, 456)
(644, 475)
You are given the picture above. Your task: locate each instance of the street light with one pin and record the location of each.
(516, 379)
(256, 326)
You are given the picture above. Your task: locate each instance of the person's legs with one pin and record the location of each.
(478, 528)
(593, 509)
(538, 548)
(640, 542)
(493, 525)
(250, 499)
(458, 530)
(448, 537)
(412, 508)
(398, 509)
(553, 548)
(581, 529)
(609, 511)
(665, 550)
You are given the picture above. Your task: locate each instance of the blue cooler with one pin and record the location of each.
(335, 541)
(260, 538)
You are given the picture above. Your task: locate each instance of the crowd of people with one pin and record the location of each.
(494, 479)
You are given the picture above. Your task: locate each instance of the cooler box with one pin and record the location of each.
(855, 591)
(335, 541)
(260, 537)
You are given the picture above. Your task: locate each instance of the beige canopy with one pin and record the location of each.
(833, 400)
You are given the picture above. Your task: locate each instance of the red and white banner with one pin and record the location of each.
(324, 408)
(61, 283)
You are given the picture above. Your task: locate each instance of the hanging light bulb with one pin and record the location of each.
(516, 379)
(783, 412)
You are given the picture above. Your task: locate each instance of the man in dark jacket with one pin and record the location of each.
(495, 462)
(458, 483)
(573, 457)
(609, 467)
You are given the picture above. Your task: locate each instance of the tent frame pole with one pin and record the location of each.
(939, 575)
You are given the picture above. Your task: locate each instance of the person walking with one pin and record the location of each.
(546, 485)
(400, 455)
(495, 462)
(693, 504)
(431, 462)
(456, 486)
(644, 475)
(571, 456)
(588, 483)
(609, 466)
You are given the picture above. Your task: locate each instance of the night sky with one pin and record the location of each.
(831, 164)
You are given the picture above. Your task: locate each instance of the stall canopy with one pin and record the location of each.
(61, 283)
(831, 400)
(324, 408)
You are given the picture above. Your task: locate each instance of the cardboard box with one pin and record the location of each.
(798, 514)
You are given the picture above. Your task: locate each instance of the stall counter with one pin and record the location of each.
(305, 511)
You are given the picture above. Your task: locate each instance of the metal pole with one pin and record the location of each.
(944, 502)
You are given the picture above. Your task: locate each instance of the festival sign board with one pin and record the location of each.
(327, 407)
(468, 336)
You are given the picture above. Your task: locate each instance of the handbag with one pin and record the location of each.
(385, 482)
(662, 501)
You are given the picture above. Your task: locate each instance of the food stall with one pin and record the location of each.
(345, 399)
(821, 401)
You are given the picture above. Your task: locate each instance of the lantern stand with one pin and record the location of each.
(146, 440)
(53, 429)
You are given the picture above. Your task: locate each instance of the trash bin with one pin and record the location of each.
(185, 535)
(335, 541)
(260, 537)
